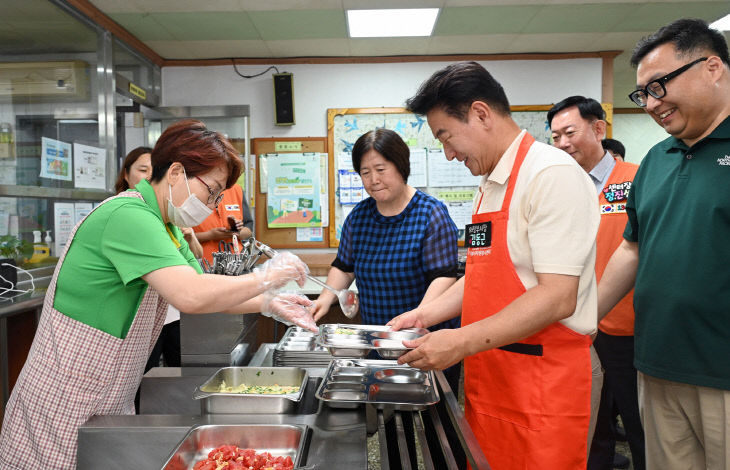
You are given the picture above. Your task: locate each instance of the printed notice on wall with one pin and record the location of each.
(445, 173)
(418, 178)
(63, 222)
(293, 199)
(55, 159)
(81, 210)
(310, 234)
(89, 167)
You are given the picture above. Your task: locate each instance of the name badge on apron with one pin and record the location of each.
(478, 235)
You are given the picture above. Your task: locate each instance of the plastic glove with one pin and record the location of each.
(288, 308)
(281, 269)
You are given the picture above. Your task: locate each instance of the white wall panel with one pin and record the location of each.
(318, 87)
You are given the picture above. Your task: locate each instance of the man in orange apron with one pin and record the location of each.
(578, 125)
(528, 300)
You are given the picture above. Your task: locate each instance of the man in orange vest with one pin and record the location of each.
(528, 299)
(217, 227)
(578, 125)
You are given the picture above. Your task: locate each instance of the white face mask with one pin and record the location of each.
(192, 212)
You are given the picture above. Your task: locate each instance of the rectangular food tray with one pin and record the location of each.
(343, 340)
(299, 340)
(384, 384)
(278, 440)
(214, 402)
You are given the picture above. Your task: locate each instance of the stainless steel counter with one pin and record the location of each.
(145, 441)
(338, 438)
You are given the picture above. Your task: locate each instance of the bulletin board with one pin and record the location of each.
(283, 237)
(345, 125)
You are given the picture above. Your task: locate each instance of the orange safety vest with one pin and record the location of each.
(612, 203)
(231, 204)
(528, 403)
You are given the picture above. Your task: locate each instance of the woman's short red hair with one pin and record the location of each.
(197, 148)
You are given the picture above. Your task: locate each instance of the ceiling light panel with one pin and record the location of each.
(391, 22)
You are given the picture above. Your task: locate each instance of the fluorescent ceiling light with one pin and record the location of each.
(723, 24)
(391, 22)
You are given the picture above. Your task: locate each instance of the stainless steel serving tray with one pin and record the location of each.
(361, 339)
(277, 439)
(215, 402)
(383, 384)
(298, 348)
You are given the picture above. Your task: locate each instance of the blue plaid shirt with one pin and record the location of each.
(396, 258)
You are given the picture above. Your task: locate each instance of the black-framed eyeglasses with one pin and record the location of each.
(657, 88)
(213, 198)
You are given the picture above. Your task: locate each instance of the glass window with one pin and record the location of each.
(54, 142)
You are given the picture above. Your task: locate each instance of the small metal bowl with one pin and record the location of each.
(397, 335)
(400, 376)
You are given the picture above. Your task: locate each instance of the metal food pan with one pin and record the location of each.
(214, 402)
(384, 384)
(298, 339)
(401, 376)
(366, 338)
(389, 348)
(280, 439)
(399, 392)
(297, 346)
(400, 335)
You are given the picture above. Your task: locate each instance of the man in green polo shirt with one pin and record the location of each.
(676, 248)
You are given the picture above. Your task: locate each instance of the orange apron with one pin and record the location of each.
(528, 403)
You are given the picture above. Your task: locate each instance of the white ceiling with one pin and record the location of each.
(275, 29)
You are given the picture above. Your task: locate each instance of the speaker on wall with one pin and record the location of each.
(284, 99)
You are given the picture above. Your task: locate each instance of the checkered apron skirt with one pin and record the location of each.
(73, 372)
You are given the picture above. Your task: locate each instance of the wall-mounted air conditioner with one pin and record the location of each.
(44, 81)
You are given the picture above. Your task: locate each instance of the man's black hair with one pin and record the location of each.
(455, 87)
(589, 108)
(615, 146)
(689, 36)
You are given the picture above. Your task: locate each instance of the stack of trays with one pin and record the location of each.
(383, 384)
(343, 340)
(298, 348)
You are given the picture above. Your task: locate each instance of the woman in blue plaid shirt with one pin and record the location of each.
(400, 243)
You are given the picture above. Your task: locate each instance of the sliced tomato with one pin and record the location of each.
(205, 465)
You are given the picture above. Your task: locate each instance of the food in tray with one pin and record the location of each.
(345, 331)
(275, 389)
(230, 457)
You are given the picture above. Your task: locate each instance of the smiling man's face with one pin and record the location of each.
(682, 111)
(466, 141)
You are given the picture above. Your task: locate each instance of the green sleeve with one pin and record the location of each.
(136, 242)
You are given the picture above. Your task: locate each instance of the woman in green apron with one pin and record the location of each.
(108, 298)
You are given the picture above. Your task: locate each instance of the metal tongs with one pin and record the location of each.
(347, 298)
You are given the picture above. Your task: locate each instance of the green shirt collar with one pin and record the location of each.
(722, 131)
(145, 189)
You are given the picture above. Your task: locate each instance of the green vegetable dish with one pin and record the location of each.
(345, 331)
(275, 389)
